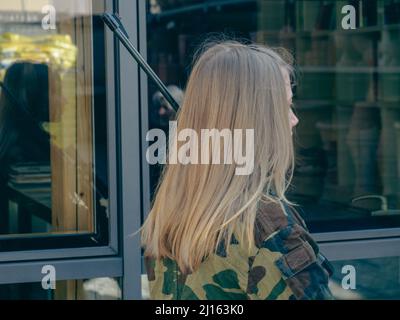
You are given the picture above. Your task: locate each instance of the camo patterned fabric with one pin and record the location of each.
(285, 263)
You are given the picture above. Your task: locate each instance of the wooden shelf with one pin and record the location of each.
(310, 104)
(340, 69)
(370, 30)
(376, 30)
(196, 7)
(359, 31)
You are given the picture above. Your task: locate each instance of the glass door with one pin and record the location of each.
(60, 153)
(53, 126)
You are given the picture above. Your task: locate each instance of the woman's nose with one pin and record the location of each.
(293, 119)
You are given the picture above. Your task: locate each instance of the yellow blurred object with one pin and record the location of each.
(59, 52)
(55, 50)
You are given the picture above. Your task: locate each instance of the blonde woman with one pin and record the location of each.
(214, 234)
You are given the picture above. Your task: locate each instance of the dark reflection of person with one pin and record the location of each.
(163, 110)
(24, 107)
(161, 113)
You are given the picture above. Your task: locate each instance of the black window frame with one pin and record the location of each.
(85, 257)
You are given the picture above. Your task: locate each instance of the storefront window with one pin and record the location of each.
(53, 146)
(366, 279)
(347, 95)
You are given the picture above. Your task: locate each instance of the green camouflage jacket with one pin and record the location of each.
(285, 263)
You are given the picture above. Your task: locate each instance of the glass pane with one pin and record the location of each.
(347, 95)
(52, 139)
(373, 279)
(87, 289)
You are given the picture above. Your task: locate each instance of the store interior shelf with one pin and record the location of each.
(201, 6)
(349, 69)
(374, 30)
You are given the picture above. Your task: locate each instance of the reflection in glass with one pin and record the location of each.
(24, 143)
(347, 95)
(373, 279)
(86, 289)
(50, 182)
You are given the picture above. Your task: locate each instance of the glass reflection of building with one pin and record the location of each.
(347, 98)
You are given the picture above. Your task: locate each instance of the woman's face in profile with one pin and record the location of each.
(292, 117)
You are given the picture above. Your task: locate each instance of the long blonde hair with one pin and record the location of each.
(235, 86)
